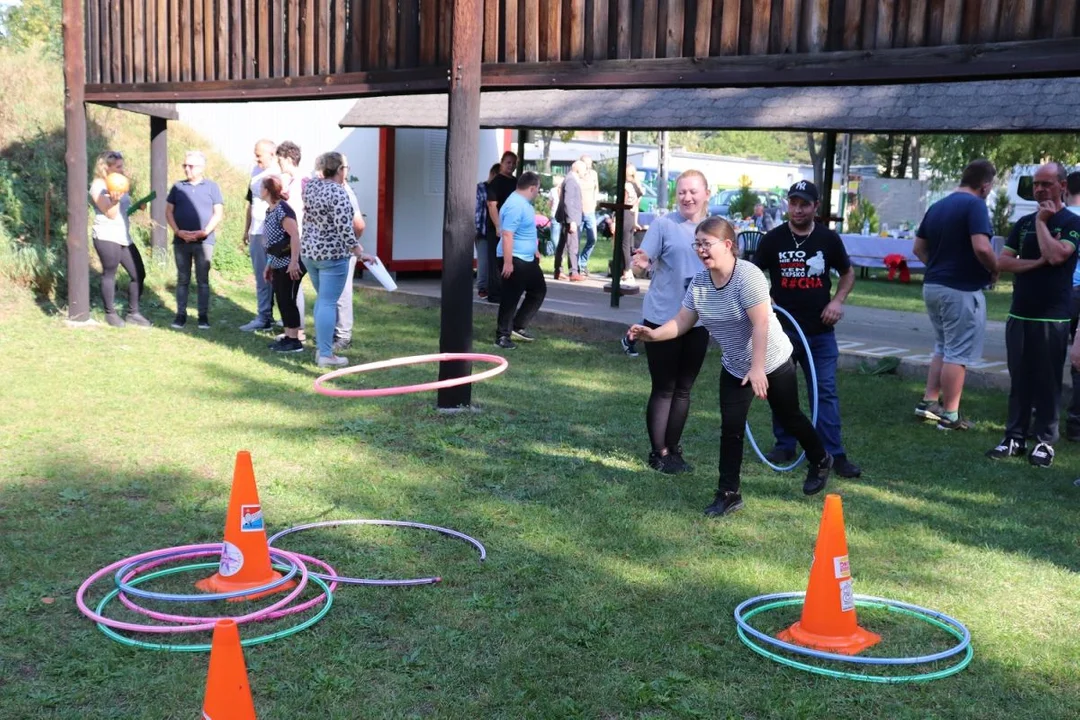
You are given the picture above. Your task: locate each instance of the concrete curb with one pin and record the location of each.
(582, 325)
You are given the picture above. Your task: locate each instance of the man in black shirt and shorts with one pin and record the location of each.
(1041, 252)
(798, 257)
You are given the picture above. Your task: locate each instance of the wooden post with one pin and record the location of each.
(620, 219)
(827, 176)
(662, 168)
(159, 183)
(78, 250)
(521, 133)
(845, 173)
(462, 149)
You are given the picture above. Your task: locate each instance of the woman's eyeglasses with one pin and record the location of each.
(699, 245)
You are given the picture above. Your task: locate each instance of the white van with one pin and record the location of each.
(1021, 191)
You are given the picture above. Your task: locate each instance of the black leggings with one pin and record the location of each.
(285, 291)
(783, 397)
(673, 365)
(112, 256)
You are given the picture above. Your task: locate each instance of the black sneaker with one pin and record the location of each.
(204, 322)
(663, 463)
(522, 335)
(179, 322)
(845, 468)
(1007, 448)
(817, 475)
(725, 503)
(287, 345)
(629, 346)
(677, 459)
(504, 342)
(928, 410)
(1042, 455)
(958, 424)
(779, 455)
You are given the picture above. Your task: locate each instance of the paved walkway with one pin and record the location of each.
(864, 332)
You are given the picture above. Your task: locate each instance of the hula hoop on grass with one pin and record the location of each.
(193, 619)
(131, 642)
(952, 626)
(80, 596)
(813, 410)
(394, 523)
(500, 366)
(124, 574)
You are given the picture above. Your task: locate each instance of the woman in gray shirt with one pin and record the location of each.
(668, 250)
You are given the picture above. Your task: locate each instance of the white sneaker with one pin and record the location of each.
(331, 361)
(254, 325)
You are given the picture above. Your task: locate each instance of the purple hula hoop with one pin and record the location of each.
(193, 619)
(393, 523)
(80, 596)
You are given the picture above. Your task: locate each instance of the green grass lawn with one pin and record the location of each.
(606, 593)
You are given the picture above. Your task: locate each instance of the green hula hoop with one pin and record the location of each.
(838, 674)
(131, 642)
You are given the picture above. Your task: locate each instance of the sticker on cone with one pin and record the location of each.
(245, 555)
(828, 619)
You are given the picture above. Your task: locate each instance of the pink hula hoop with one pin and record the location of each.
(80, 596)
(195, 619)
(500, 366)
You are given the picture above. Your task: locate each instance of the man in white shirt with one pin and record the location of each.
(590, 192)
(266, 165)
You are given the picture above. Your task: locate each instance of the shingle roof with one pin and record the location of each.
(998, 105)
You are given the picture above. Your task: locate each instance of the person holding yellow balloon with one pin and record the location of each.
(112, 239)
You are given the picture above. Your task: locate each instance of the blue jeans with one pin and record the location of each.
(328, 277)
(553, 237)
(481, 263)
(264, 291)
(825, 353)
(588, 232)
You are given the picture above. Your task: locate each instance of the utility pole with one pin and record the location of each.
(662, 171)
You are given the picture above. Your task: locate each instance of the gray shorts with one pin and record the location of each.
(959, 320)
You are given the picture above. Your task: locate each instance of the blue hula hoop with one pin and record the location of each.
(962, 632)
(130, 589)
(814, 403)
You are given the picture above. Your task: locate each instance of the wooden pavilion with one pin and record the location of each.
(145, 55)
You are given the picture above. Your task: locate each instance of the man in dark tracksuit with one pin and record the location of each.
(1041, 252)
(1072, 425)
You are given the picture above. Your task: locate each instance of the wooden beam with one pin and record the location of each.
(729, 28)
(236, 38)
(789, 27)
(93, 42)
(429, 32)
(703, 27)
(1065, 26)
(532, 31)
(969, 31)
(166, 111)
(159, 184)
(510, 31)
(916, 23)
(852, 24)
(78, 246)
(648, 32)
(1057, 58)
(340, 24)
(620, 222)
(623, 30)
(952, 17)
(988, 20)
(198, 71)
(462, 148)
(816, 28)
(550, 30)
(221, 49)
(322, 36)
(600, 35)
(386, 82)
(491, 29)
(676, 28)
(138, 50)
(886, 18)
(277, 40)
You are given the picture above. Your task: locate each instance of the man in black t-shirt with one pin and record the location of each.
(798, 256)
(499, 189)
(1041, 253)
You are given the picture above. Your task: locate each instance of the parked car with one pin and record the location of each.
(720, 203)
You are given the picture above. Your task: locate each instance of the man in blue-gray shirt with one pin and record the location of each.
(519, 260)
(193, 209)
(953, 242)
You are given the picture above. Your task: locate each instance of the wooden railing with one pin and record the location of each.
(169, 41)
(158, 41)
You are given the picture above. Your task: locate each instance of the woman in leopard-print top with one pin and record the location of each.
(327, 241)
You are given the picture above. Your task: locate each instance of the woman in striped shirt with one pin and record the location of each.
(731, 299)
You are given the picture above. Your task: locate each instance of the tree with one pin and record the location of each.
(947, 155)
(33, 22)
(815, 145)
(893, 154)
(546, 137)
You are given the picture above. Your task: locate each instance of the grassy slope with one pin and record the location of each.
(606, 593)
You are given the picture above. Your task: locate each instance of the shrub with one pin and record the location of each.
(1002, 211)
(862, 211)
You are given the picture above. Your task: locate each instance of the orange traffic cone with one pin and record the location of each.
(828, 617)
(228, 695)
(245, 556)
